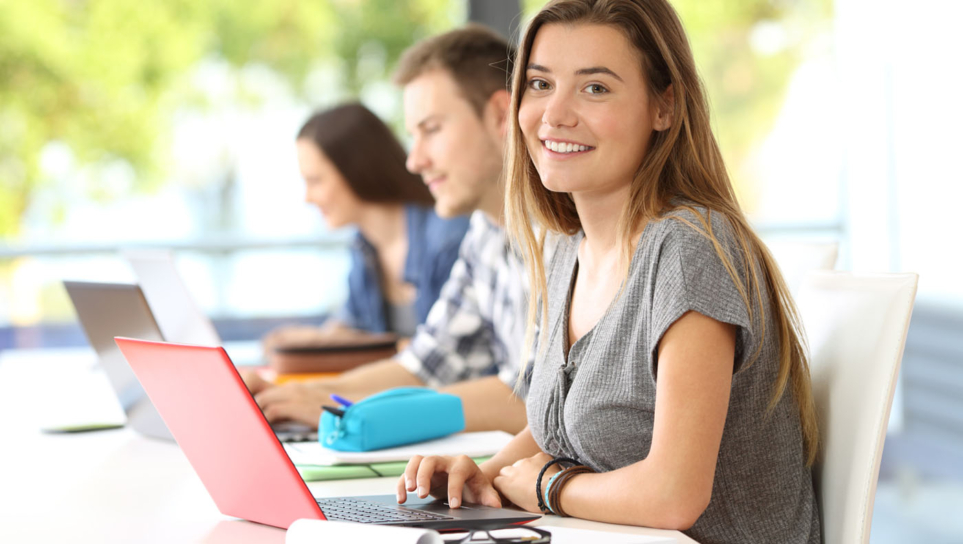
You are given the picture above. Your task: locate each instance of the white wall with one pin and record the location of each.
(900, 78)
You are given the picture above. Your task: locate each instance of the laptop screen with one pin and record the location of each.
(106, 310)
(177, 313)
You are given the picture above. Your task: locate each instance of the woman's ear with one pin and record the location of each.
(664, 112)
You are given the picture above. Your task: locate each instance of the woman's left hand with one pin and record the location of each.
(517, 482)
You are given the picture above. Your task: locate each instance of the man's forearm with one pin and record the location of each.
(373, 378)
(489, 405)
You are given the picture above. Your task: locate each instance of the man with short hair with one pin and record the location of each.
(456, 105)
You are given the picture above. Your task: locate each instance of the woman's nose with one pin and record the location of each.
(559, 112)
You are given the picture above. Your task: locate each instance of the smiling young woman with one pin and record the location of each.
(668, 365)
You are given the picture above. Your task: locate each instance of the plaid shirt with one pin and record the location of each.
(477, 326)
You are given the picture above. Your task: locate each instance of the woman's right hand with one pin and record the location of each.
(454, 478)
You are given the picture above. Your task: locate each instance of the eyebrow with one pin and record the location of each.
(433, 117)
(581, 72)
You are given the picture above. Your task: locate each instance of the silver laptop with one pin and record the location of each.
(179, 317)
(106, 310)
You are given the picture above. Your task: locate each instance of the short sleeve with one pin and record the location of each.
(690, 276)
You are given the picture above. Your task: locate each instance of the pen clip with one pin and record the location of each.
(333, 411)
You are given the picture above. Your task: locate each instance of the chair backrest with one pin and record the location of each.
(796, 259)
(856, 327)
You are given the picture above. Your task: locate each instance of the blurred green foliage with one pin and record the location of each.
(104, 76)
(746, 79)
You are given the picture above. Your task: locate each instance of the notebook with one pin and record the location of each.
(471, 444)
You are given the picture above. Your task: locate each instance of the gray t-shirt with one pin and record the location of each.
(599, 405)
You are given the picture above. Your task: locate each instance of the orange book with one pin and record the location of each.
(302, 376)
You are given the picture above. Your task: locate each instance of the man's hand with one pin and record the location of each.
(302, 401)
(296, 401)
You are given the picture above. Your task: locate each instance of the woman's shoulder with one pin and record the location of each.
(692, 260)
(688, 220)
(689, 228)
(690, 242)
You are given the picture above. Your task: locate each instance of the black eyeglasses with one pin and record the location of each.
(519, 535)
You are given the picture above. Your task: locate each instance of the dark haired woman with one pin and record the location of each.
(354, 171)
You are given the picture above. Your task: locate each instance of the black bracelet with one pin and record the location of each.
(538, 481)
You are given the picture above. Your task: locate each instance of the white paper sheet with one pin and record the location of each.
(312, 531)
(470, 444)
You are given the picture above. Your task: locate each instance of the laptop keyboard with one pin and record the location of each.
(362, 511)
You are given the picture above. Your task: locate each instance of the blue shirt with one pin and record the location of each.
(433, 245)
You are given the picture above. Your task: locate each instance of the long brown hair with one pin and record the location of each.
(366, 153)
(682, 164)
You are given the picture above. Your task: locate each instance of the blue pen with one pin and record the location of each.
(341, 400)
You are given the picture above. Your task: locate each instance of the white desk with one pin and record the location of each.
(117, 486)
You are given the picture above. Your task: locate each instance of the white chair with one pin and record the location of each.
(856, 326)
(796, 259)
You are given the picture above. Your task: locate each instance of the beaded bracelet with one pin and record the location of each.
(563, 478)
(538, 481)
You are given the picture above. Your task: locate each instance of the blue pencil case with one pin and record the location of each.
(395, 417)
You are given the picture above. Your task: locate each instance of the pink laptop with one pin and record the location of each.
(243, 466)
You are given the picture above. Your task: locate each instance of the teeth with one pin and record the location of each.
(564, 147)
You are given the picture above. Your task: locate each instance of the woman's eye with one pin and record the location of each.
(595, 88)
(538, 84)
